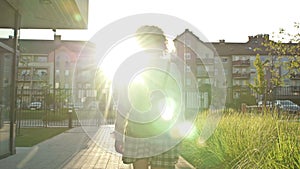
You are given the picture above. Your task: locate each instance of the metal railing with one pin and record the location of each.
(43, 108)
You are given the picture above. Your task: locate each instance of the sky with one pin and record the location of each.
(232, 20)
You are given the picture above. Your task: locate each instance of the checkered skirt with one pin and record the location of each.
(160, 153)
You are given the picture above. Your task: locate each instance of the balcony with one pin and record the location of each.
(205, 74)
(202, 75)
(238, 75)
(295, 89)
(24, 78)
(39, 77)
(240, 88)
(241, 63)
(28, 92)
(295, 76)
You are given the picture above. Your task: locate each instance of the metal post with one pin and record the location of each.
(12, 114)
(70, 117)
(54, 72)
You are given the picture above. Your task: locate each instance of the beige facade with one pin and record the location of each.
(37, 70)
(197, 56)
(237, 63)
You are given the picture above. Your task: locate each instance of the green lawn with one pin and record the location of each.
(29, 137)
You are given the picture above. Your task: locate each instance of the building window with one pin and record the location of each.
(40, 59)
(199, 81)
(27, 57)
(87, 86)
(67, 63)
(224, 60)
(236, 57)
(201, 70)
(25, 72)
(67, 72)
(24, 75)
(244, 70)
(206, 81)
(236, 95)
(236, 82)
(252, 71)
(188, 69)
(188, 81)
(210, 68)
(40, 74)
(187, 56)
(244, 82)
(226, 71)
(188, 42)
(236, 70)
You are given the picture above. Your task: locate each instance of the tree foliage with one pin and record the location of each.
(260, 83)
(285, 47)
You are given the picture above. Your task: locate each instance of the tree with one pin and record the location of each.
(260, 83)
(286, 50)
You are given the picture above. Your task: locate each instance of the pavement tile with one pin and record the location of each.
(73, 149)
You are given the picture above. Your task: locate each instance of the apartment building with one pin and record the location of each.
(198, 57)
(199, 64)
(238, 60)
(237, 63)
(59, 64)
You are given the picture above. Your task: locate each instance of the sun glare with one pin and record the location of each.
(117, 55)
(183, 129)
(168, 113)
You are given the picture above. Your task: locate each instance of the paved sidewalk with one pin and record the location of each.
(73, 149)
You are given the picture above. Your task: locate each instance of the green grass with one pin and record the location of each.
(29, 137)
(245, 141)
(43, 115)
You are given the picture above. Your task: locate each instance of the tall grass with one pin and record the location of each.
(245, 141)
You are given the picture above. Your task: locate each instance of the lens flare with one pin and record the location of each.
(169, 109)
(182, 129)
(201, 142)
(147, 91)
(138, 95)
(118, 54)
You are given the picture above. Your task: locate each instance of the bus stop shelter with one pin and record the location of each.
(28, 14)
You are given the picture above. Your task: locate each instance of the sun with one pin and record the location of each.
(117, 55)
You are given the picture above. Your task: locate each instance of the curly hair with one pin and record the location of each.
(151, 37)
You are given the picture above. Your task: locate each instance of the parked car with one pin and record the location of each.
(287, 105)
(35, 105)
(78, 106)
(51, 107)
(68, 106)
(267, 103)
(93, 106)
